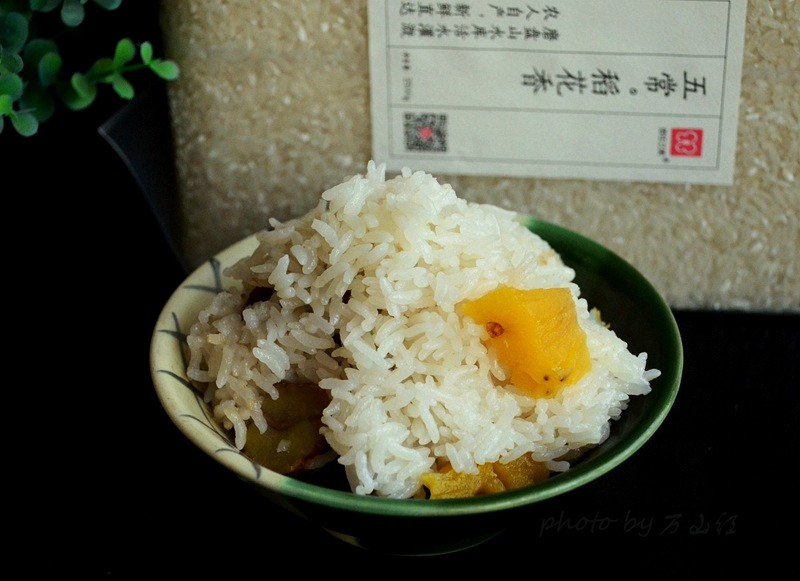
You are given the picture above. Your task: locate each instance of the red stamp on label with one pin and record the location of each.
(686, 142)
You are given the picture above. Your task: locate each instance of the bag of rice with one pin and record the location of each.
(444, 334)
(289, 83)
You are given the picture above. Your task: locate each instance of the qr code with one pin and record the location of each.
(425, 131)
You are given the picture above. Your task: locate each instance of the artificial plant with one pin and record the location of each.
(34, 76)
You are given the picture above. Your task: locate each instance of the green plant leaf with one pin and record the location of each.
(72, 13)
(146, 52)
(167, 70)
(108, 4)
(2, 123)
(124, 53)
(101, 69)
(49, 67)
(13, 32)
(11, 84)
(122, 87)
(25, 124)
(74, 100)
(44, 5)
(32, 66)
(82, 85)
(39, 102)
(6, 105)
(10, 62)
(36, 49)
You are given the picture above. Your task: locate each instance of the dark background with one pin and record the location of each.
(117, 489)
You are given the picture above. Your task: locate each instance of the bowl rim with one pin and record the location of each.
(207, 278)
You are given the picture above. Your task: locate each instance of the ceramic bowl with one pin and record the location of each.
(419, 527)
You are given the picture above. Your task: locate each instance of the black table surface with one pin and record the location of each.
(713, 487)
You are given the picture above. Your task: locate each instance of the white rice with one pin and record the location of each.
(366, 304)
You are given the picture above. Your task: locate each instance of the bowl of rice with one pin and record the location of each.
(408, 369)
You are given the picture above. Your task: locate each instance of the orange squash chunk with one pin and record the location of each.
(491, 478)
(447, 483)
(535, 335)
(523, 471)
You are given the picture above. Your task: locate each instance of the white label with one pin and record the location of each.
(639, 90)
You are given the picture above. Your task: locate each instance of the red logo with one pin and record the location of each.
(686, 142)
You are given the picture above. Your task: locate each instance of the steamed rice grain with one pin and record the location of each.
(367, 288)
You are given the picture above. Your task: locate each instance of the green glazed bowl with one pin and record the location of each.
(626, 300)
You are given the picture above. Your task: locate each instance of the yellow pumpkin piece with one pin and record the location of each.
(447, 483)
(491, 478)
(535, 335)
(521, 472)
